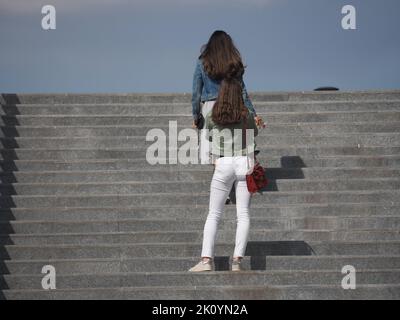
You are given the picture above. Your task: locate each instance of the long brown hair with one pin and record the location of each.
(221, 59)
(229, 107)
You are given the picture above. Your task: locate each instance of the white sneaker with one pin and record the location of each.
(202, 266)
(236, 265)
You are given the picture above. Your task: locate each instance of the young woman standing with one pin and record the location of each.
(229, 113)
(219, 59)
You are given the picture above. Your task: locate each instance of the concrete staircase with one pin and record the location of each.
(78, 194)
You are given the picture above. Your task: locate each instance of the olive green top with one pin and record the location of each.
(229, 140)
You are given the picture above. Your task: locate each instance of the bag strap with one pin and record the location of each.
(244, 131)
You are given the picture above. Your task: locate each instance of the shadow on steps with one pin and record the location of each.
(259, 250)
(291, 168)
(10, 130)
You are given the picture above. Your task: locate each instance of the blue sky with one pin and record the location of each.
(151, 45)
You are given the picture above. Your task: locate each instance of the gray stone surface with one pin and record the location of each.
(176, 264)
(223, 278)
(135, 164)
(365, 139)
(257, 234)
(77, 193)
(317, 128)
(182, 108)
(179, 249)
(140, 153)
(195, 186)
(185, 97)
(124, 200)
(153, 225)
(162, 120)
(199, 212)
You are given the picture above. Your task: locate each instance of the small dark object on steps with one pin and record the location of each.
(326, 89)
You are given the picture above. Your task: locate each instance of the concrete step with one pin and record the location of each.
(132, 164)
(156, 225)
(140, 153)
(110, 98)
(203, 174)
(182, 108)
(193, 198)
(315, 128)
(271, 263)
(198, 186)
(222, 278)
(186, 119)
(186, 97)
(365, 139)
(308, 292)
(262, 210)
(224, 235)
(161, 250)
(331, 96)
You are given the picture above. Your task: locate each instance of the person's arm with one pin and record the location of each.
(196, 91)
(247, 102)
(246, 99)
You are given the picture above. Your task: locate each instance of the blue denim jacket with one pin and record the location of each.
(205, 89)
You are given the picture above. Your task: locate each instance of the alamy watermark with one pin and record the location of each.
(165, 149)
(349, 280)
(49, 20)
(49, 280)
(349, 20)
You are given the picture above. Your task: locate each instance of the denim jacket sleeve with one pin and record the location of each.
(246, 99)
(197, 90)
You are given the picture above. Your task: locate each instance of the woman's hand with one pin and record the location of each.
(259, 122)
(194, 126)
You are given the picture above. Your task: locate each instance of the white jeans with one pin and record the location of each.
(205, 157)
(228, 171)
